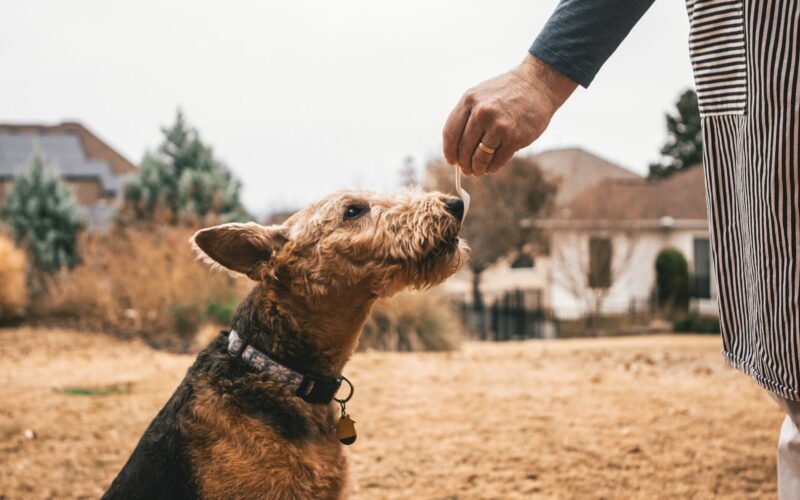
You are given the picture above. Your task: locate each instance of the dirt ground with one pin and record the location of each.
(644, 417)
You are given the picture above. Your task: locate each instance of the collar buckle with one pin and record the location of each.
(318, 389)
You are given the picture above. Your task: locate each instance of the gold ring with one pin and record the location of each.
(486, 149)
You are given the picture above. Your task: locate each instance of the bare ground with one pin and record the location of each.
(644, 417)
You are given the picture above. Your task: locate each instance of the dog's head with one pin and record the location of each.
(349, 240)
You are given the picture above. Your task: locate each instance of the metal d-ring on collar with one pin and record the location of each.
(349, 394)
(346, 399)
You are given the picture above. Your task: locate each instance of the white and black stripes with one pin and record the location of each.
(717, 47)
(752, 139)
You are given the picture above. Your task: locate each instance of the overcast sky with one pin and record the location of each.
(302, 98)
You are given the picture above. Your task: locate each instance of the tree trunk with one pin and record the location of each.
(596, 311)
(477, 305)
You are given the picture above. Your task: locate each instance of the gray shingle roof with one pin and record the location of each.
(61, 151)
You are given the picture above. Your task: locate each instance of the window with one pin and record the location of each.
(523, 260)
(600, 262)
(702, 269)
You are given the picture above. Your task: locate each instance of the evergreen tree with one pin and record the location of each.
(408, 173)
(182, 181)
(684, 146)
(43, 216)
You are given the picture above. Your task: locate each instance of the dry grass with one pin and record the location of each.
(139, 282)
(412, 321)
(13, 286)
(645, 417)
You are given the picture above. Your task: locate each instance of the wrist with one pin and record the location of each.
(545, 80)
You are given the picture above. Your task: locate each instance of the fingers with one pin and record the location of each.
(480, 158)
(469, 141)
(453, 128)
(501, 157)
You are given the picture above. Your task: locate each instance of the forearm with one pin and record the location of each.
(582, 34)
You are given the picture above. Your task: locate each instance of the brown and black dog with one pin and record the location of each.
(232, 430)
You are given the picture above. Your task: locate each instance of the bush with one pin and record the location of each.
(13, 291)
(140, 282)
(672, 281)
(186, 319)
(220, 311)
(696, 323)
(43, 215)
(412, 321)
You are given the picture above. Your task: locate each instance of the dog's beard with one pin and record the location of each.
(433, 267)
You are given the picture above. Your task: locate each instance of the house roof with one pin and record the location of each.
(577, 170)
(69, 147)
(93, 147)
(679, 197)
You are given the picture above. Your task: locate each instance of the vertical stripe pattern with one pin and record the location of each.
(752, 168)
(717, 48)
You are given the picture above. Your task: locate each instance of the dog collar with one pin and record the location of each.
(311, 388)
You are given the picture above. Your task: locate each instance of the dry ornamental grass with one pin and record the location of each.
(136, 281)
(13, 288)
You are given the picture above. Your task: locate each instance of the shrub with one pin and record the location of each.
(185, 319)
(412, 321)
(696, 323)
(672, 281)
(140, 282)
(13, 291)
(43, 216)
(220, 311)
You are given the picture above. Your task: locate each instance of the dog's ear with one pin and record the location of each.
(243, 248)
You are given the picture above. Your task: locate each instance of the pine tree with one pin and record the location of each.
(182, 181)
(43, 217)
(684, 146)
(408, 173)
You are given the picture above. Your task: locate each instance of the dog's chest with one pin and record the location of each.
(237, 456)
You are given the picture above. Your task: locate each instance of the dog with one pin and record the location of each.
(255, 416)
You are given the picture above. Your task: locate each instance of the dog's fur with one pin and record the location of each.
(230, 432)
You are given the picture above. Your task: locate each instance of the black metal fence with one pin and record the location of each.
(520, 314)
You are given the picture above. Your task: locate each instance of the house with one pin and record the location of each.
(603, 244)
(93, 170)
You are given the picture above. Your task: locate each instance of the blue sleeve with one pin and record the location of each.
(582, 34)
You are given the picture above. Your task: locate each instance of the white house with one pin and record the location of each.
(603, 244)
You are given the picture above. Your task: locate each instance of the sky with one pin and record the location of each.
(303, 98)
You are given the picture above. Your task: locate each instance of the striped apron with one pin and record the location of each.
(746, 60)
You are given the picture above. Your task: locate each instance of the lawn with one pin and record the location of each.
(636, 417)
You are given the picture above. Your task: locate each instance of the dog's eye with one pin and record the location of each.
(354, 211)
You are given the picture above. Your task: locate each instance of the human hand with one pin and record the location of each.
(505, 114)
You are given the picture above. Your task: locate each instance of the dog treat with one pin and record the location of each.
(463, 194)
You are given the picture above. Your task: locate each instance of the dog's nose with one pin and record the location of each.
(456, 207)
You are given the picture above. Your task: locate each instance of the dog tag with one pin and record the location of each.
(346, 430)
(463, 194)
